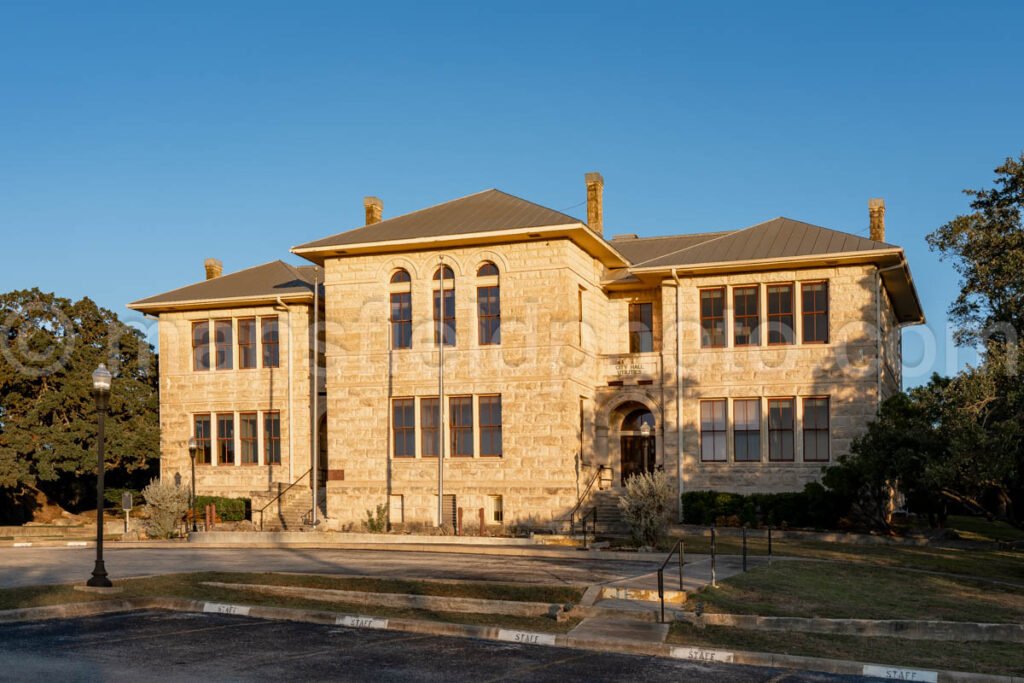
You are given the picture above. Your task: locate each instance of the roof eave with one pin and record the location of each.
(788, 261)
(220, 303)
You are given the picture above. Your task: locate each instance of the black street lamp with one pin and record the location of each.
(101, 391)
(192, 448)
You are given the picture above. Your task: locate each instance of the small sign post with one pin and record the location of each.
(126, 505)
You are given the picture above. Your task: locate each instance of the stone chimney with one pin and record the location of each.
(595, 202)
(374, 210)
(876, 215)
(214, 268)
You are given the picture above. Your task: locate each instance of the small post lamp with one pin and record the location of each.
(101, 392)
(193, 447)
(645, 431)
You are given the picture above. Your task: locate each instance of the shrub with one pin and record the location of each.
(645, 507)
(166, 505)
(377, 522)
(228, 509)
(814, 507)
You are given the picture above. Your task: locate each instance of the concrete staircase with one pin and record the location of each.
(609, 516)
(287, 509)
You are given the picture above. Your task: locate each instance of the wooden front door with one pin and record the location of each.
(637, 455)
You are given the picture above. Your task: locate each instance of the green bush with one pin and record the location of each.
(166, 505)
(814, 507)
(377, 523)
(228, 509)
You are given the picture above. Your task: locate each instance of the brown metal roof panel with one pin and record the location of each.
(276, 278)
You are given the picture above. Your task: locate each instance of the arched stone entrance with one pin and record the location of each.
(637, 436)
(629, 436)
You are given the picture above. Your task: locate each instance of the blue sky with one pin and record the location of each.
(136, 139)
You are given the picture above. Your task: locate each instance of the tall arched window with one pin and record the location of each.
(488, 306)
(444, 279)
(401, 310)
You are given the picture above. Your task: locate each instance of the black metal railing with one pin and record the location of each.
(592, 516)
(582, 499)
(677, 549)
(280, 494)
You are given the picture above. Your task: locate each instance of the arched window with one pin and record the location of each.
(635, 421)
(488, 307)
(401, 275)
(401, 310)
(448, 314)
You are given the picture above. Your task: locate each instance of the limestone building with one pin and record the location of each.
(541, 359)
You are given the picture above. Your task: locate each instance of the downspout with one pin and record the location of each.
(315, 425)
(679, 394)
(878, 324)
(291, 463)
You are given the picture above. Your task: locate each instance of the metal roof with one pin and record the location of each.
(268, 281)
(640, 249)
(487, 211)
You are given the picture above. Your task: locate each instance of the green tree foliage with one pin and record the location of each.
(49, 347)
(646, 507)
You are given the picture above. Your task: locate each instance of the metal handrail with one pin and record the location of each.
(280, 495)
(582, 498)
(678, 547)
(591, 514)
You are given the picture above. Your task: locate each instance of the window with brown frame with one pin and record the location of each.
(430, 427)
(403, 427)
(223, 343)
(272, 438)
(641, 328)
(746, 316)
(247, 343)
(487, 269)
(490, 426)
(815, 425)
(781, 416)
(225, 439)
(271, 342)
(814, 306)
(497, 509)
(248, 435)
(401, 320)
(746, 420)
(712, 318)
(201, 346)
(461, 420)
(401, 275)
(446, 281)
(489, 314)
(780, 314)
(202, 430)
(713, 431)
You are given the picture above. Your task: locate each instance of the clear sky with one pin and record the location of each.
(136, 139)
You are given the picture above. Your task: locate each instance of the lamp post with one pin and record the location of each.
(192, 448)
(645, 432)
(101, 392)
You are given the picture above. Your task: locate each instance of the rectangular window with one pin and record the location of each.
(201, 346)
(226, 439)
(271, 343)
(272, 438)
(497, 510)
(403, 424)
(746, 419)
(816, 430)
(203, 432)
(248, 436)
(247, 343)
(490, 425)
(780, 429)
(489, 314)
(641, 324)
(430, 427)
(461, 420)
(814, 305)
(401, 320)
(579, 315)
(396, 508)
(224, 343)
(712, 431)
(449, 316)
(780, 314)
(746, 318)
(712, 317)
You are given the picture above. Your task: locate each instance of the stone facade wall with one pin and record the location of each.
(185, 392)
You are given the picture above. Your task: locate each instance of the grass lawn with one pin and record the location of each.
(991, 658)
(856, 591)
(188, 586)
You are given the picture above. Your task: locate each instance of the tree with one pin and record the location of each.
(49, 347)
(986, 248)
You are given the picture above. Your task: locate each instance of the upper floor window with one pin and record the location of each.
(746, 318)
(487, 269)
(712, 431)
(201, 346)
(247, 343)
(449, 276)
(203, 432)
(461, 420)
(224, 344)
(400, 275)
(403, 421)
(816, 430)
(780, 314)
(271, 343)
(712, 317)
(444, 320)
(641, 325)
(489, 314)
(747, 429)
(401, 320)
(781, 416)
(814, 304)
(490, 425)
